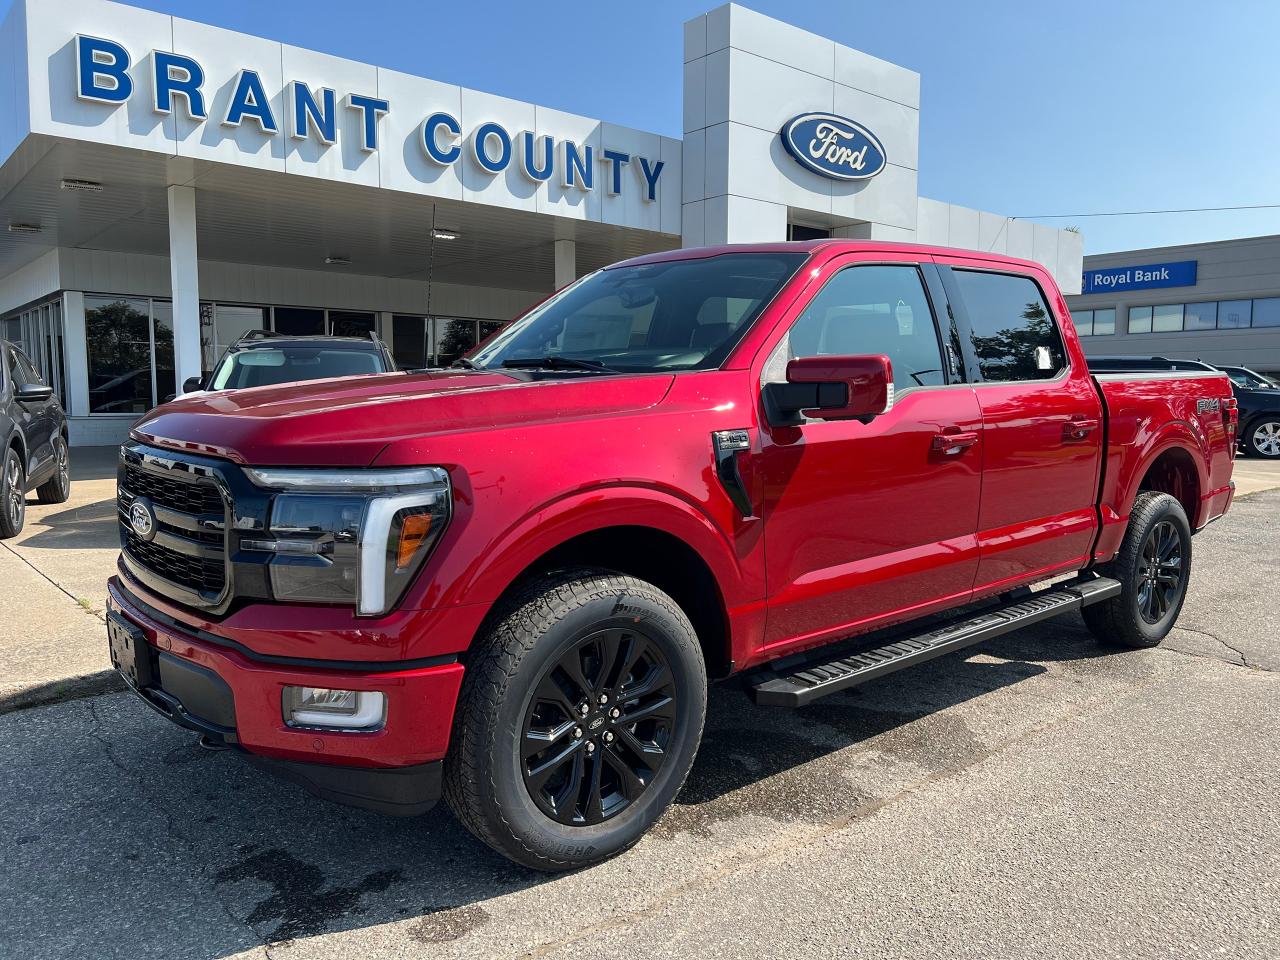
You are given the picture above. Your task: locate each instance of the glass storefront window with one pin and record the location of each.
(1166, 317)
(409, 341)
(455, 338)
(1201, 316)
(1139, 319)
(1234, 313)
(349, 323)
(299, 321)
(231, 322)
(489, 327)
(118, 340)
(1104, 322)
(1083, 322)
(162, 330)
(1266, 313)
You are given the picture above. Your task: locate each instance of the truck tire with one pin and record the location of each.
(1153, 567)
(57, 489)
(580, 713)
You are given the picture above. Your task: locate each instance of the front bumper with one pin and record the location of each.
(234, 700)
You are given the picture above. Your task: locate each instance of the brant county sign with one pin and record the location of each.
(833, 146)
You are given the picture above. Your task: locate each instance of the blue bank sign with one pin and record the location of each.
(178, 82)
(833, 146)
(1114, 279)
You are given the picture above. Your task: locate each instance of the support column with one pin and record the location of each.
(566, 262)
(184, 274)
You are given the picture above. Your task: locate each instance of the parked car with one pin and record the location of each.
(261, 358)
(511, 583)
(1257, 397)
(34, 429)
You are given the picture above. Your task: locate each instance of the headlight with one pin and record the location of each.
(342, 536)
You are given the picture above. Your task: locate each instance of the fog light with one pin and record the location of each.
(334, 709)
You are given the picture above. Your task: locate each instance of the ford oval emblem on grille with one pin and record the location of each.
(142, 520)
(833, 146)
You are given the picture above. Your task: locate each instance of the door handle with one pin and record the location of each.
(953, 443)
(1078, 429)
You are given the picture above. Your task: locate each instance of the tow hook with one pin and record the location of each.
(207, 742)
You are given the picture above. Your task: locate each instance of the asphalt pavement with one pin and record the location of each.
(1040, 795)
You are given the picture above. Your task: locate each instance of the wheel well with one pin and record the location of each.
(658, 558)
(1174, 473)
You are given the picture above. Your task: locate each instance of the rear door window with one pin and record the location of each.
(1015, 337)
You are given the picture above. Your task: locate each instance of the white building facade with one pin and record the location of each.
(168, 185)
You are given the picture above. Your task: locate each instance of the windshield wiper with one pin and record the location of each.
(465, 364)
(558, 363)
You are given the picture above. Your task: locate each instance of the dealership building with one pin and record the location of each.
(166, 186)
(1217, 302)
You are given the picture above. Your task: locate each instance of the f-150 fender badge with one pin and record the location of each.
(1208, 406)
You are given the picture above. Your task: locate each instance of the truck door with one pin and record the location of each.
(1041, 425)
(867, 522)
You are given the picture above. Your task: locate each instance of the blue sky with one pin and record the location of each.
(1026, 111)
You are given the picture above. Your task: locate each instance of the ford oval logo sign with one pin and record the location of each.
(142, 520)
(833, 146)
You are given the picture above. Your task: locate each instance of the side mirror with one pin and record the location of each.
(32, 393)
(192, 384)
(831, 388)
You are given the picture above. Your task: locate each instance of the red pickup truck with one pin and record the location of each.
(509, 582)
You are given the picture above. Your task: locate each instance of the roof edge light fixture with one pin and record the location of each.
(337, 261)
(25, 228)
(445, 235)
(91, 186)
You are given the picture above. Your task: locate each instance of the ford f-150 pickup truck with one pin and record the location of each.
(806, 465)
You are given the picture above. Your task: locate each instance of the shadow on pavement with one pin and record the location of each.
(289, 865)
(91, 525)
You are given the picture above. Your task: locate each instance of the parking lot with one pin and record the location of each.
(1038, 795)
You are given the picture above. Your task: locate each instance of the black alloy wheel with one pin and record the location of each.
(580, 713)
(1161, 572)
(1153, 566)
(13, 495)
(57, 489)
(597, 727)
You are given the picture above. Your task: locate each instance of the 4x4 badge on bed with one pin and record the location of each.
(1208, 406)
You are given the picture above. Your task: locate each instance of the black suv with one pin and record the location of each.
(261, 358)
(34, 430)
(1259, 400)
(1257, 397)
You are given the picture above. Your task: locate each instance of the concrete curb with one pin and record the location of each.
(25, 697)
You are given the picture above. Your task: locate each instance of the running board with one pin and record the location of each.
(806, 680)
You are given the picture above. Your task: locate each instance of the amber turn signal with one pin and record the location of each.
(413, 534)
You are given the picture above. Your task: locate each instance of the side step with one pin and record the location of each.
(807, 680)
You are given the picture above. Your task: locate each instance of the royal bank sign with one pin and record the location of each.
(106, 74)
(833, 146)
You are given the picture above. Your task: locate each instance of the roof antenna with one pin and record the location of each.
(431, 262)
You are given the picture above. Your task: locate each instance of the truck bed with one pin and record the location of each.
(1147, 416)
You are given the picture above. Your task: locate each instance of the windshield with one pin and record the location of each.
(263, 367)
(676, 315)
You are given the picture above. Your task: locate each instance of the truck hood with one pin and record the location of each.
(348, 422)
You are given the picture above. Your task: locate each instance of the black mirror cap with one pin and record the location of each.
(32, 393)
(192, 384)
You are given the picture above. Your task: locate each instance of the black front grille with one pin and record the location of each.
(195, 573)
(198, 498)
(185, 556)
